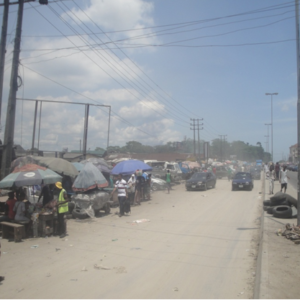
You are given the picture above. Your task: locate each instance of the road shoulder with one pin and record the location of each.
(279, 259)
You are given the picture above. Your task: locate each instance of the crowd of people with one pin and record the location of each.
(276, 172)
(132, 190)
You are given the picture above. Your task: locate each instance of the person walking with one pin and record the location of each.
(283, 179)
(63, 208)
(168, 180)
(229, 173)
(121, 186)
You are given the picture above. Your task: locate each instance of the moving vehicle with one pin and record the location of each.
(242, 181)
(201, 181)
(159, 169)
(221, 171)
(157, 183)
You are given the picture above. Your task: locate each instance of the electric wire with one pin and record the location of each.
(140, 69)
(118, 72)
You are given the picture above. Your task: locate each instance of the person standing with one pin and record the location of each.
(168, 180)
(46, 194)
(139, 191)
(277, 169)
(121, 186)
(229, 173)
(131, 188)
(283, 179)
(63, 208)
(271, 181)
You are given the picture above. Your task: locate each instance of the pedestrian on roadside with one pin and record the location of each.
(229, 173)
(214, 170)
(277, 169)
(139, 190)
(168, 180)
(131, 188)
(283, 179)
(266, 167)
(63, 208)
(121, 186)
(271, 181)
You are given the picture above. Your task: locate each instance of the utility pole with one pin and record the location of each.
(11, 105)
(198, 128)
(221, 148)
(298, 100)
(3, 50)
(194, 129)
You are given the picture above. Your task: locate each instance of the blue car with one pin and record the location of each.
(242, 181)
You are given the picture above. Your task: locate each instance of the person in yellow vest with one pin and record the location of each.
(63, 208)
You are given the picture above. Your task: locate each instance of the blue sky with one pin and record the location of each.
(168, 61)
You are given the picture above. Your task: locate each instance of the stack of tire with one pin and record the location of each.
(281, 205)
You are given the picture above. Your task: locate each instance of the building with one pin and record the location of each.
(293, 157)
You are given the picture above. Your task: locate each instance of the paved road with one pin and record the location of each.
(196, 245)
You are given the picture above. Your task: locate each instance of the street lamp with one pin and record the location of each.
(267, 136)
(271, 94)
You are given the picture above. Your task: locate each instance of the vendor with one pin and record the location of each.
(9, 208)
(20, 209)
(47, 194)
(63, 208)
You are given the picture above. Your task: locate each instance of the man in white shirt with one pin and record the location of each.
(121, 185)
(283, 179)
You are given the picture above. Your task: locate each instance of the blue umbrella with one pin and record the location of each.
(128, 167)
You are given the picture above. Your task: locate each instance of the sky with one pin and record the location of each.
(158, 64)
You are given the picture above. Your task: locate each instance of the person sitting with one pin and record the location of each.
(9, 214)
(20, 209)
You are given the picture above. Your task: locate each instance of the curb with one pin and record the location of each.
(257, 283)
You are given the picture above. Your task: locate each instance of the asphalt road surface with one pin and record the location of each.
(196, 245)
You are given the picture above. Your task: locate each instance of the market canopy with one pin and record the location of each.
(128, 167)
(99, 163)
(89, 178)
(28, 175)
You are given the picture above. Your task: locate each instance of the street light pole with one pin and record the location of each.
(268, 124)
(272, 94)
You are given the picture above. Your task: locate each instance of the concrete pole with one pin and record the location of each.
(34, 126)
(298, 101)
(3, 50)
(11, 106)
(108, 128)
(86, 122)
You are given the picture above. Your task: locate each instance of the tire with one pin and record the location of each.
(278, 198)
(270, 210)
(205, 187)
(71, 206)
(233, 189)
(267, 203)
(214, 186)
(107, 209)
(291, 200)
(154, 187)
(78, 215)
(282, 211)
(265, 207)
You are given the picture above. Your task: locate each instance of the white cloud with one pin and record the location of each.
(287, 104)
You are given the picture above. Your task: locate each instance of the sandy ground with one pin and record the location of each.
(280, 257)
(196, 245)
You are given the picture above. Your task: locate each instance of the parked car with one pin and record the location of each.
(157, 183)
(293, 168)
(242, 181)
(201, 181)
